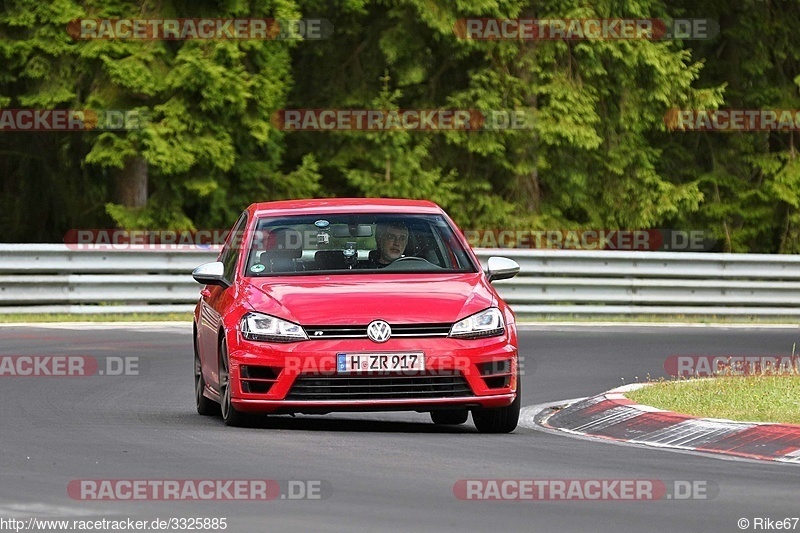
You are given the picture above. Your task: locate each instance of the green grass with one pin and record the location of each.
(743, 398)
(119, 317)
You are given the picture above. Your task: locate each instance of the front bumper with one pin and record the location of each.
(268, 377)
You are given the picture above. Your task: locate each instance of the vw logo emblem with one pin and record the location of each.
(379, 331)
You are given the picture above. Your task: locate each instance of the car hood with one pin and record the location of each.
(350, 299)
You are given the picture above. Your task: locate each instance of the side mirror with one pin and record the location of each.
(211, 274)
(501, 268)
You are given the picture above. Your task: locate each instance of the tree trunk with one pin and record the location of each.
(131, 183)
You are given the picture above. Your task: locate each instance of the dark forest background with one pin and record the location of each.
(598, 155)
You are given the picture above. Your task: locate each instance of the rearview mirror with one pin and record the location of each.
(501, 268)
(211, 274)
(341, 231)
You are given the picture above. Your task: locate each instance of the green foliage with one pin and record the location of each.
(394, 163)
(594, 151)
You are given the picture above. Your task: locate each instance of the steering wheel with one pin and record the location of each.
(413, 263)
(410, 258)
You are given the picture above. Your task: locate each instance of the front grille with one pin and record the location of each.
(379, 388)
(360, 332)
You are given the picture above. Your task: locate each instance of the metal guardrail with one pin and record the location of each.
(51, 278)
(675, 283)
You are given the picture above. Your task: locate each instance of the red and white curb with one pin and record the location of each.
(613, 416)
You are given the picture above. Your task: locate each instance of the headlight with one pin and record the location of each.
(488, 323)
(260, 327)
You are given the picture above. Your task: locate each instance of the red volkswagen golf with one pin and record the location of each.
(316, 306)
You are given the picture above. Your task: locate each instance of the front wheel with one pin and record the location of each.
(500, 419)
(230, 415)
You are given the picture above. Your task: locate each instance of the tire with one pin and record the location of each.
(501, 419)
(230, 415)
(449, 417)
(204, 406)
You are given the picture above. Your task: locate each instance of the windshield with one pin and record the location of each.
(351, 244)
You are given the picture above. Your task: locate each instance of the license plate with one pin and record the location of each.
(362, 363)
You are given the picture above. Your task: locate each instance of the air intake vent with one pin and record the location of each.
(379, 388)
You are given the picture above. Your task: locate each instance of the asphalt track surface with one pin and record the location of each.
(388, 472)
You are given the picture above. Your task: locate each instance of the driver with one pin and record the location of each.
(392, 239)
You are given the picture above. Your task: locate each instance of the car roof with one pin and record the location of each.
(343, 205)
